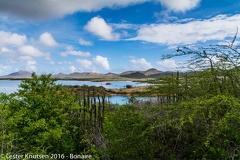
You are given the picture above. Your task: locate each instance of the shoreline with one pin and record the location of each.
(93, 90)
(87, 79)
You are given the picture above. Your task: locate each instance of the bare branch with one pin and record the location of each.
(234, 38)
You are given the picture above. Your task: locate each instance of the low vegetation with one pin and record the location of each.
(195, 116)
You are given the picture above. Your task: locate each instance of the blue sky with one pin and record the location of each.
(53, 36)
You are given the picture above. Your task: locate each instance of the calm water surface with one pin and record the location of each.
(10, 86)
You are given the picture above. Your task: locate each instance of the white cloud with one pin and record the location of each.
(64, 62)
(84, 63)
(4, 68)
(25, 58)
(72, 69)
(12, 39)
(101, 61)
(140, 64)
(47, 39)
(217, 28)
(180, 5)
(70, 51)
(52, 63)
(167, 65)
(30, 51)
(99, 27)
(124, 25)
(41, 9)
(48, 56)
(31, 66)
(85, 42)
(4, 50)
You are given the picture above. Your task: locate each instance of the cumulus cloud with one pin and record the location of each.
(4, 50)
(17, 51)
(47, 39)
(30, 51)
(99, 27)
(12, 39)
(140, 64)
(64, 62)
(72, 68)
(84, 63)
(101, 61)
(180, 5)
(31, 66)
(167, 65)
(25, 58)
(4, 68)
(85, 42)
(216, 28)
(41, 9)
(70, 51)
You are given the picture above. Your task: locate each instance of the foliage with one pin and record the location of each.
(129, 86)
(127, 134)
(199, 129)
(42, 118)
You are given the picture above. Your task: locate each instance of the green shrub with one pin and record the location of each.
(129, 86)
(127, 134)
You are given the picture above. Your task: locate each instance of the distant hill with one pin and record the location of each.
(20, 73)
(111, 74)
(136, 74)
(60, 74)
(83, 74)
(150, 73)
(126, 73)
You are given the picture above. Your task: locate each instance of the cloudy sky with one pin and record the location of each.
(53, 36)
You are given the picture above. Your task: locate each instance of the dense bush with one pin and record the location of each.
(127, 134)
(200, 129)
(41, 118)
(129, 86)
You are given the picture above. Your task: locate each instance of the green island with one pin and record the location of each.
(195, 116)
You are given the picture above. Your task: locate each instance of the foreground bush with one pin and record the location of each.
(200, 129)
(127, 134)
(195, 129)
(41, 118)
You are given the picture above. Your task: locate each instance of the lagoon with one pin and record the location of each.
(10, 86)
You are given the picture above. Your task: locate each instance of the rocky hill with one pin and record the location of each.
(133, 74)
(20, 73)
(150, 73)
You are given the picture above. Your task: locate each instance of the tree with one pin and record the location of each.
(220, 56)
(218, 64)
(42, 118)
